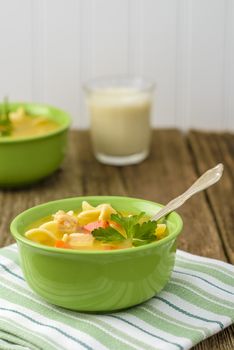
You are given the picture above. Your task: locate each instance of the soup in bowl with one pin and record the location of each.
(33, 142)
(95, 280)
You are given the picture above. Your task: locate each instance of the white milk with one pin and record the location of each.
(120, 122)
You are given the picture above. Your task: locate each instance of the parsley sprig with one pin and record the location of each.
(5, 122)
(138, 234)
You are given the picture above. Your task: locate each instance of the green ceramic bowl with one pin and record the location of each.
(96, 281)
(27, 160)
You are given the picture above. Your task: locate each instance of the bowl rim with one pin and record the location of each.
(22, 239)
(64, 125)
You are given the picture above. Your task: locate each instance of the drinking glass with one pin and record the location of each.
(120, 109)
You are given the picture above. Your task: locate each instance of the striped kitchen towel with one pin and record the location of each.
(196, 303)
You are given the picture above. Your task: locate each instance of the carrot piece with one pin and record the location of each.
(96, 224)
(61, 244)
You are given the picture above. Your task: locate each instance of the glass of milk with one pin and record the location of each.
(119, 110)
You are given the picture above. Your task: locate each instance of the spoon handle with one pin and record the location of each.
(206, 180)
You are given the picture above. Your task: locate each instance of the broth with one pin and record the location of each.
(24, 125)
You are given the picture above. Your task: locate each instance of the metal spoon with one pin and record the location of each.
(209, 178)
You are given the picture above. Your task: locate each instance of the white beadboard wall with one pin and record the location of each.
(49, 48)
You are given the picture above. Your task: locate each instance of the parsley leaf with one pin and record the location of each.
(108, 234)
(144, 233)
(5, 122)
(127, 222)
(139, 234)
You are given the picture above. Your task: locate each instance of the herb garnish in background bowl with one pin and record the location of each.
(5, 122)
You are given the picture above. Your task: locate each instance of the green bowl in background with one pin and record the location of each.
(26, 160)
(96, 281)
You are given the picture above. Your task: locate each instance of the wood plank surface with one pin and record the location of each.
(174, 163)
(209, 149)
(165, 174)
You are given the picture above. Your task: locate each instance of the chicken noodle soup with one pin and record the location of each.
(19, 124)
(96, 228)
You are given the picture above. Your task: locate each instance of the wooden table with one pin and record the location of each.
(174, 163)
